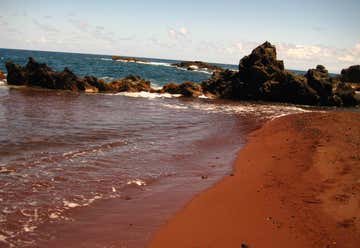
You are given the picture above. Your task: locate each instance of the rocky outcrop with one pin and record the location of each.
(40, 75)
(2, 75)
(351, 74)
(187, 89)
(130, 84)
(262, 77)
(346, 94)
(320, 80)
(127, 59)
(197, 65)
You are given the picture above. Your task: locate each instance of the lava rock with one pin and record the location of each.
(131, 83)
(351, 74)
(187, 89)
(16, 74)
(261, 77)
(41, 75)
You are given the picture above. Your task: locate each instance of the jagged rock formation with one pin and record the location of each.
(262, 77)
(187, 89)
(351, 74)
(131, 83)
(40, 75)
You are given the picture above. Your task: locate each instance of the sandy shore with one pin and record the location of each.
(295, 184)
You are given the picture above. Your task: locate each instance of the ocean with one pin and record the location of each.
(106, 170)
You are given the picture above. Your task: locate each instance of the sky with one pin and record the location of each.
(305, 33)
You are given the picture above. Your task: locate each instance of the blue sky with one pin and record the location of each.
(306, 33)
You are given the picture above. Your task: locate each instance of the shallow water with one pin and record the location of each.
(107, 170)
(61, 151)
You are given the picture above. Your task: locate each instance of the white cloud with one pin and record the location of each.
(351, 55)
(45, 27)
(183, 31)
(347, 58)
(42, 39)
(178, 34)
(357, 48)
(236, 48)
(304, 52)
(79, 24)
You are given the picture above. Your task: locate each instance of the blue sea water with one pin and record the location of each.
(158, 71)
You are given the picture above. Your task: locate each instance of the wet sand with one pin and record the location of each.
(295, 184)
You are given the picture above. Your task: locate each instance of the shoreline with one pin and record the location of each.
(295, 184)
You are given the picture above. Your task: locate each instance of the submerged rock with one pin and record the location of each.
(197, 65)
(262, 77)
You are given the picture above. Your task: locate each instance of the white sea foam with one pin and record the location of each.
(203, 97)
(195, 70)
(54, 216)
(28, 228)
(155, 63)
(2, 238)
(174, 106)
(68, 204)
(268, 111)
(105, 59)
(259, 110)
(193, 67)
(147, 95)
(138, 182)
(106, 78)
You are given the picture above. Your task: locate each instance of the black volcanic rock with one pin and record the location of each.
(16, 74)
(262, 77)
(320, 81)
(97, 83)
(346, 93)
(131, 83)
(197, 65)
(351, 74)
(41, 75)
(187, 89)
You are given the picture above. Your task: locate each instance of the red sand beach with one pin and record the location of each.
(295, 184)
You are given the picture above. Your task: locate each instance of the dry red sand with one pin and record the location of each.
(296, 184)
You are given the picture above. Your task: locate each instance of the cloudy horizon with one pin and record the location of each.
(306, 33)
